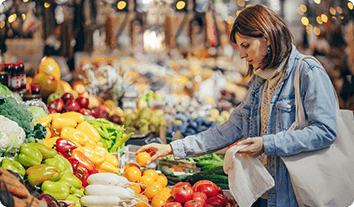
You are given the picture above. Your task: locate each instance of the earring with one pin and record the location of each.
(268, 50)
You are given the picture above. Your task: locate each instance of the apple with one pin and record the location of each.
(99, 112)
(57, 105)
(115, 118)
(85, 111)
(67, 96)
(52, 111)
(83, 102)
(72, 105)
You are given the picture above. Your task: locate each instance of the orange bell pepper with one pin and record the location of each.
(90, 131)
(83, 160)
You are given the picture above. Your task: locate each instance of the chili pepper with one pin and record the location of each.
(59, 122)
(73, 134)
(121, 141)
(46, 151)
(83, 160)
(76, 116)
(14, 166)
(37, 174)
(65, 146)
(29, 155)
(61, 163)
(59, 190)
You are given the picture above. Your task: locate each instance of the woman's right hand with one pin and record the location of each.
(156, 150)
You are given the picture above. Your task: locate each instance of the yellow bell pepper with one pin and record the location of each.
(99, 144)
(112, 159)
(78, 117)
(91, 144)
(59, 122)
(50, 142)
(107, 167)
(49, 133)
(73, 134)
(95, 155)
(45, 120)
(91, 132)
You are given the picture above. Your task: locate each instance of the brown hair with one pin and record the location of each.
(259, 21)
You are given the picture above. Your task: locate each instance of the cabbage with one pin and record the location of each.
(37, 112)
(5, 91)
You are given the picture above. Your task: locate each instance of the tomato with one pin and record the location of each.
(216, 201)
(193, 203)
(220, 191)
(228, 204)
(208, 205)
(200, 182)
(224, 197)
(173, 204)
(199, 196)
(181, 184)
(183, 194)
(209, 189)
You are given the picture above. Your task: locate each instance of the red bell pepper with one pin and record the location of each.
(65, 147)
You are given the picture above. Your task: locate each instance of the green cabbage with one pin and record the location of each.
(37, 112)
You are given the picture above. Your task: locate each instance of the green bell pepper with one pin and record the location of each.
(46, 151)
(58, 190)
(37, 174)
(71, 180)
(79, 192)
(14, 166)
(61, 163)
(29, 155)
(74, 199)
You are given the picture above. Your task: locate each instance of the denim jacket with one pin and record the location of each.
(319, 101)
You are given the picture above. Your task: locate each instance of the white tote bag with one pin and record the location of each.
(323, 177)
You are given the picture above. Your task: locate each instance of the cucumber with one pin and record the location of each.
(223, 185)
(203, 174)
(217, 178)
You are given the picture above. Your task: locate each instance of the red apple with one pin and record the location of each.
(83, 102)
(67, 96)
(52, 111)
(115, 118)
(99, 112)
(85, 111)
(72, 105)
(57, 105)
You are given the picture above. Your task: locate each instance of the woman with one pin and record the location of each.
(268, 109)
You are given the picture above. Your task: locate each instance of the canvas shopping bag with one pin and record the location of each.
(324, 177)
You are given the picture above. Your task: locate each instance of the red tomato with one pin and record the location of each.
(209, 189)
(216, 201)
(224, 197)
(207, 205)
(186, 184)
(199, 196)
(220, 191)
(200, 182)
(228, 204)
(193, 203)
(183, 194)
(173, 204)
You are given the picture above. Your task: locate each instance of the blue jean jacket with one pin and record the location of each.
(319, 103)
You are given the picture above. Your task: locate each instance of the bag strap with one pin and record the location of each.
(300, 114)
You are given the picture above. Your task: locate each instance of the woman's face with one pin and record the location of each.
(252, 49)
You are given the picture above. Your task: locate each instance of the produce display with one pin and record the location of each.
(64, 149)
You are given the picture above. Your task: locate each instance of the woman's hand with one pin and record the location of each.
(255, 147)
(156, 150)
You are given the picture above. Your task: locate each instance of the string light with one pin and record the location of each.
(350, 5)
(305, 21)
(2, 24)
(46, 5)
(339, 9)
(303, 8)
(332, 11)
(23, 16)
(317, 31)
(12, 18)
(324, 18)
(317, 1)
(319, 20)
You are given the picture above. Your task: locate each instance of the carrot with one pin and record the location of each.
(13, 185)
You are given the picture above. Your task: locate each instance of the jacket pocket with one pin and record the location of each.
(285, 113)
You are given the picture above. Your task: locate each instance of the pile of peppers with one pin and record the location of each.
(82, 166)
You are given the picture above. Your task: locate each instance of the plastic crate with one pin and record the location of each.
(129, 157)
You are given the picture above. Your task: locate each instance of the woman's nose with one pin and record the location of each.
(242, 53)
